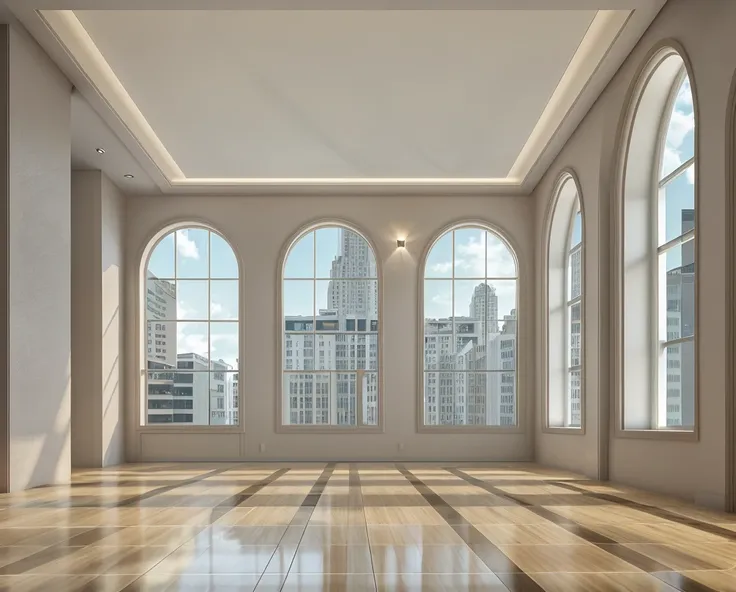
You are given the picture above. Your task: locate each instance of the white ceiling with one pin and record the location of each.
(226, 101)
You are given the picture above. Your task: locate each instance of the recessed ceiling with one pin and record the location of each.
(237, 98)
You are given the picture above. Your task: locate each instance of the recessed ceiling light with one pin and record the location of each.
(129, 176)
(100, 150)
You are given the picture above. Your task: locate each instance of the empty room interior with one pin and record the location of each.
(368, 296)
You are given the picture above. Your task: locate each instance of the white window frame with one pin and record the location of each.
(422, 427)
(141, 389)
(359, 427)
(636, 354)
(565, 204)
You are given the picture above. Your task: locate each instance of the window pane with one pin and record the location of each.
(222, 259)
(470, 252)
(576, 236)
(346, 385)
(679, 362)
(300, 260)
(439, 259)
(437, 299)
(342, 253)
(575, 274)
(224, 346)
(192, 344)
(192, 253)
(161, 262)
(161, 344)
(500, 261)
(678, 284)
(299, 305)
(191, 300)
(574, 335)
(221, 398)
(224, 300)
(677, 206)
(160, 299)
(680, 139)
(574, 392)
(369, 391)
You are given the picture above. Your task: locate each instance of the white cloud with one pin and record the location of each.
(216, 309)
(685, 95)
(681, 124)
(442, 268)
(192, 343)
(186, 246)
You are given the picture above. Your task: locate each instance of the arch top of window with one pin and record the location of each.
(470, 251)
(190, 251)
(310, 255)
(678, 146)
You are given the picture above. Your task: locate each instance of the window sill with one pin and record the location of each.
(565, 431)
(190, 429)
(461, 429)
(662, 434)
(352, 430)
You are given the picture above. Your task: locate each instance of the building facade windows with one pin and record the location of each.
(330, 330)
(469, 323)
(191, 301)
(658, 269)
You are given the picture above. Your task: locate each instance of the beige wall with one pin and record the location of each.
(39, 250)
(97, 256)
(258, 228)
(693, 470)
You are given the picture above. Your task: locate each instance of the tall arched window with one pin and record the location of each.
(331, 330)
(565, 291)
(469, 318)
(191, 329)
(658, 307)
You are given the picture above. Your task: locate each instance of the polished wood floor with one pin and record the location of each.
(357, 527)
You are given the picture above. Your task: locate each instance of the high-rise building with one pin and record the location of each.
(160, 306)
(484, 306)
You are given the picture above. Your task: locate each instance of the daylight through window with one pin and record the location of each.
(330, 330)
(191, 327)
(676, 273)
(470, 290)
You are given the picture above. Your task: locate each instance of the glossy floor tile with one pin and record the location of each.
(357, 527)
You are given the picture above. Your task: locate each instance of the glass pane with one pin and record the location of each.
(234, 382)
(439, 259)
(576, 236)
(323, 389)
(679, 286)
(346, 388)
(680, 387)
(300, 260)
(680, 140)
(161, 262)
(161, 345)
(574, 336)
(470, 252)
(507, 397)
(574, 396)
(192, 344)
(224, 264)
(192, 253)
(575, 274)
(331, 352)
(677, 206)
(505, 317)
(224, 300)
(224, 347)
(191, 300)
(330, 244)
(160, 299)
(299, 305)
(466, 298)
(500, 260)
(221, 398)
(431, 396)
(438, 328)
(299, 352)
(369, 390)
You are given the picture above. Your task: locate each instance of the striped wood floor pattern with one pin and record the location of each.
(357, 527)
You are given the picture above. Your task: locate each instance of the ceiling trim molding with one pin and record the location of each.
(601, 35)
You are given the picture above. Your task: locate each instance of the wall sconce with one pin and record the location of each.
(401, 242)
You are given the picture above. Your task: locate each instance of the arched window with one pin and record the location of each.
(469, 318)
(191, 329)
(565, 288)
(331, 330)
(658, 308)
